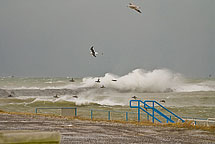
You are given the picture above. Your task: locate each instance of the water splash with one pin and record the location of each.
(139, 80)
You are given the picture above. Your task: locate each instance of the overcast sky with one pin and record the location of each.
(53, 37)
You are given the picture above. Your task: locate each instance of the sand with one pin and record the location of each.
(83, 131)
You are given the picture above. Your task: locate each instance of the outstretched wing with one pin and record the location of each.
(92, 50)
(138, 10)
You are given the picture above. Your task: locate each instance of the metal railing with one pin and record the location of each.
(126, 114)
(36, 109)
(147, 106)
(200, 120)
(210, 120)
(109, 112)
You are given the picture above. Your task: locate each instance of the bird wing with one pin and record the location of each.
(131, 6)
(94, 54)
(92, 50)
(138, 10)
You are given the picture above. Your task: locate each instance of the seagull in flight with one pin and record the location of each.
(93, 52)
(134, 7)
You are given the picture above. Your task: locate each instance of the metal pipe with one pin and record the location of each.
(138, 111)
(76, 112)
(153, 112)
(126, 116)
(91, 114)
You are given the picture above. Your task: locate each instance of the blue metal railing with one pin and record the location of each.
(36, 109)
(165, 109)
(109, 113)
(146, 106)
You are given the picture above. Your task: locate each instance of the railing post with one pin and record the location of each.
(138, 111)
(153, 112)
(91, 115)
(75, 112)
(126, 116)
(108, 115)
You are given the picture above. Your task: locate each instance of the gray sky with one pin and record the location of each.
(53, 37)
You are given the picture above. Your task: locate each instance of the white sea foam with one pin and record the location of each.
(81, 100)
(139, 80)
(191, 87)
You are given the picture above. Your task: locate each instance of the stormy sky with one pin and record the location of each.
(41, 38)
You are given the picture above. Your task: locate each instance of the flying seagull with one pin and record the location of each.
(134, 7)
(93, 52)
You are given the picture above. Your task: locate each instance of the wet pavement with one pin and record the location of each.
(82, 131)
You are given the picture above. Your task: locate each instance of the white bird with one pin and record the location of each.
(93, 52)
(134, 7)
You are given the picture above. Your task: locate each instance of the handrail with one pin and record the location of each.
(142, 110)
(109, 113)
(146, 106)
(212, 120)
(208, 120)
(159, 113)
(165, 109)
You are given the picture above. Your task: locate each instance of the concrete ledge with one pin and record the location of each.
(27, 137)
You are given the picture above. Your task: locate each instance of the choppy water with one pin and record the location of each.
(185, 97)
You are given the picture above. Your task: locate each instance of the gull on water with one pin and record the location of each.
(75, 96)
(93, 52)
(98, 81)
(134, 7)
(134, 97)
(56, 96)
(162, 101)
(72, 80)
(102, 86)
